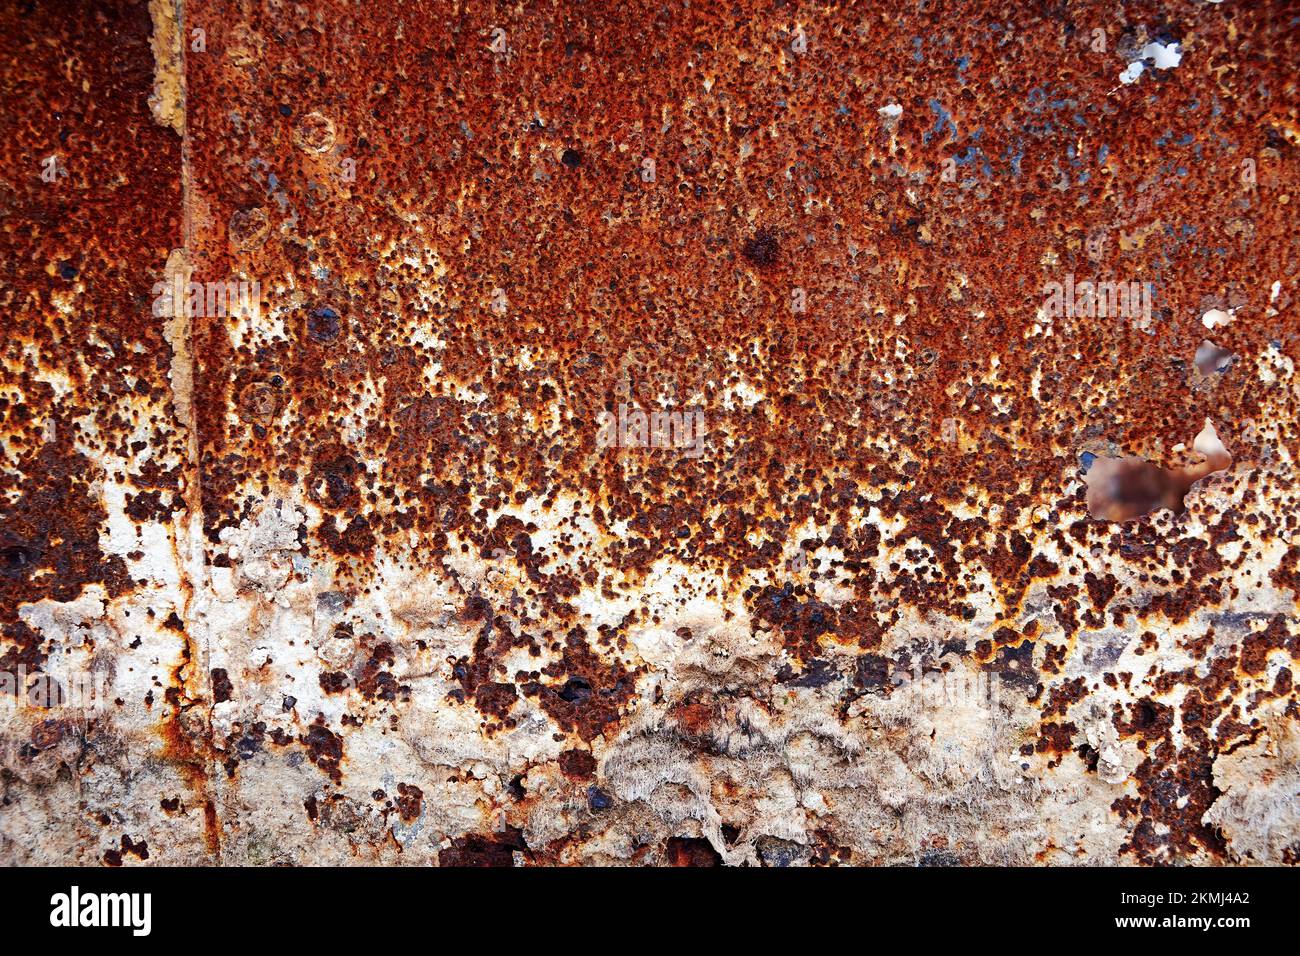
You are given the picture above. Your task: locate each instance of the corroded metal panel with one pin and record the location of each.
(587, 433)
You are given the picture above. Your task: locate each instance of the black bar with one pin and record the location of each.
(316, 905)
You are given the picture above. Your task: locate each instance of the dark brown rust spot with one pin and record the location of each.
(762, 248)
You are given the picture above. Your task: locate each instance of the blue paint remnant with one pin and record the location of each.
(963, 63)
(1016, 159)
(916, 49)
(1086, 460)
(942, 120)
(1039, 101)
(1102, 154)
(974, 157)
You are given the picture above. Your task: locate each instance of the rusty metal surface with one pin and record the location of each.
(931, 568)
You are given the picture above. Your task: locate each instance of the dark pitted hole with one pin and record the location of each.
(571, 158)
(67, 270)
(575, 690)
(762, 249)
(1146, 715)
(691, 851)
(16, 559)
(323, 324)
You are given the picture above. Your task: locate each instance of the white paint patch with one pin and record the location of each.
(1162, 57)
(1217, 317)
(1208, 444)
